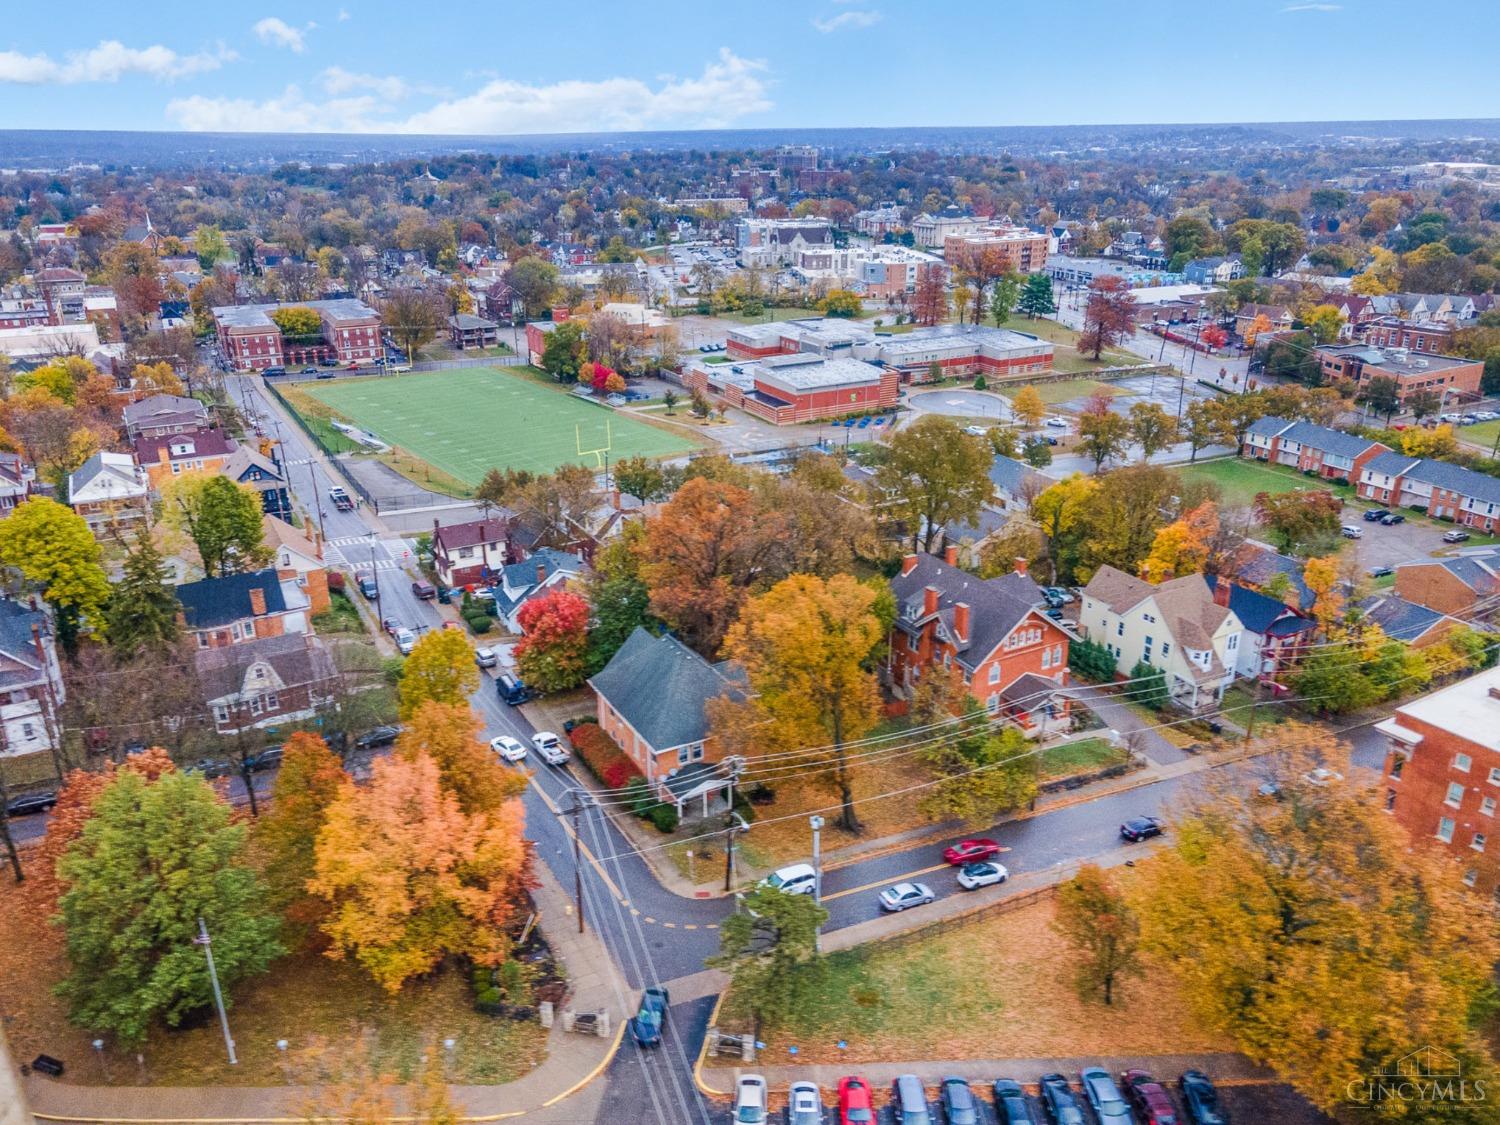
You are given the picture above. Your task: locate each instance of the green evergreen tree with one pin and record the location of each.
(1036, 297)
(143, 608)
(1150, 686)
(153, 859)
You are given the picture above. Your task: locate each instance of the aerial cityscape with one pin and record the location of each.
(703, 566)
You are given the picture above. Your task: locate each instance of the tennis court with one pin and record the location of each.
(469, 420)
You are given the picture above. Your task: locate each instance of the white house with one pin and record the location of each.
(1176, 627)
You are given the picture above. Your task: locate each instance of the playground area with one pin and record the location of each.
(469, 420)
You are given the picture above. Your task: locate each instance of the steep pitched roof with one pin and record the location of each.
(1258, 565)
(295, 659)
(106, 476)
(154, 409)
(278, 533)
(1189, 611)
(1009, 475)
(660, 687)
(211, 602)
(204, 443)
(1261, 613)
(996, 605)
(20, 663)
(243, 459)
(1118, 590)
(495, 529)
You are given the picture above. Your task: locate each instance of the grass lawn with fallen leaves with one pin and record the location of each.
(1083, 756)
(322, 1007)
(998, 987)
(1064, 391)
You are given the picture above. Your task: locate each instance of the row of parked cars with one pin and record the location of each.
(1136, 1099)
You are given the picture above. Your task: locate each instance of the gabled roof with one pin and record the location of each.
(243, 459)
(1186, 604)
(278, 533)
(1401, 619)
(1009, 475)
(212, 602)
(1258, 564)
(1391, 463)
(522, 575)
(106, 476)
(1268, 426)
(151, 409)
(205, 443)
(1261, 613)
(295, 660)
(1328, 440)
(20, 663)
(660, 687)
(495, 529)
(1456, 478)
(996, 605)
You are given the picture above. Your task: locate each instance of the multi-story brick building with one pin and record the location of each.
(780, 242)
(1308, 447)
(1441, 374)
(1442, 774)
(239, 608)
(965, 349)
(202, 451)
(1418, 336)
(1454, 585)
(784, 389)
(1015, 249)
(251, 340)
(1444, 490)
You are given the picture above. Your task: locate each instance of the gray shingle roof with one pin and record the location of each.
(1009, 475)
(996, 605)
(660, 687)
(296, 658)
(1269, 426)
(20, 664)
(1401, 619)
(1391, 463)
(1329, 441)
(1455, 478)
(212, 602)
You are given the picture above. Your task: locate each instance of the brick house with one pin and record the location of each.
(1444, 490)
(1442, 774)
(465, 331)
(652, 698)
(1441, 374)
(1308, 447)
(240, 608)
(265, 682)
(1401, 620)
(160, 415)
(1418, 336)
(251, 341)
(171, 455)
(1452, 585)
(988, 633)
(473, 553)
(298, 559)
(1018, 249)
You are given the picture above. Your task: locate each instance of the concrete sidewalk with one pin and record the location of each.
(573, 1060)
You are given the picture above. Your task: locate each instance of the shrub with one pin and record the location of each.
(663, 817)
(605, 760)
(980, 384)
(336, 581)
(1091, 660)
(490, 1002)
(480, 622)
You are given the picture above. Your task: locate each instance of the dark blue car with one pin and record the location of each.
(1201, 1099)
(647, 1024)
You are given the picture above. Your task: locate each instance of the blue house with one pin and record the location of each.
(246, 466)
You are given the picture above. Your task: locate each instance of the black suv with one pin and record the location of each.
(380, 736)
(28, 803)
(1376, 514)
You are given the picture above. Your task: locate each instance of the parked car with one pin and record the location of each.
(804, 1104)
(390, 625)
(1455, 537)
(1392, 519)
(267, 759)
(909, 1101)
(511, 690)
(1059, 1101)
(1149, 1097)
(550, 747)
(26, 804)
(1141, 828)
(423, 590)
(1322, 777)
(405, 640)
(1056, 423)
(856, 1106)
(971, 851)
(1104, 1096)
(367, 586)
(647, 1023)
(308, 371)
(1349, 531)
(959, 1104)
(796, 879)
(1011, 1106)
(380, 736)
(750, 1100)
(1376, 514)
(1381, 571)
(903, 896)
(1201, 1099)
(511, 749)
(484, 657)
(1057, 595)
(211, 768)
(976, 875)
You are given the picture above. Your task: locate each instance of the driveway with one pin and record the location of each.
(1390, 546)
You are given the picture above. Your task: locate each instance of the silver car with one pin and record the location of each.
(903, 896)
(804, 1105)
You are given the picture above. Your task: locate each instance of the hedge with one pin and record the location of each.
(605, 760)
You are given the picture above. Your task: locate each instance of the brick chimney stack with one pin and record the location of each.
(257, 601)
(908, 564)
(961, 621)
(541, 573)
(950, 554)
(929, 601)
(1221, 593)
(1020, 565)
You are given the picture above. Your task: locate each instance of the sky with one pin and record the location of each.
(521, 66)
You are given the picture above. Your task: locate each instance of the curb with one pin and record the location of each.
(703, 1087)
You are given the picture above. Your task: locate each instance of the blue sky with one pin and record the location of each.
(519, 66)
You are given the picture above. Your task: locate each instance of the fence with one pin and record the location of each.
(969, 915)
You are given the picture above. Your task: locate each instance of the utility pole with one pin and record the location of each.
(375, 578)
(580, 799)
(728, 848)
(817, 825)
(207, 943)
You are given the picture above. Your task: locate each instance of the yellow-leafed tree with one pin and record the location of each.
(439, 669)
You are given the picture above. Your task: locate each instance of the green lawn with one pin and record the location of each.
(770, 313)
(1485, 434)
(1239, 480)
(1066, 357)
(469, 420)
(1082, 756)
(1064, 391)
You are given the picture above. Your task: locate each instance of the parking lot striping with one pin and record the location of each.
(889, 881)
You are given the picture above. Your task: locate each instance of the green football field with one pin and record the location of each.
(469, 420)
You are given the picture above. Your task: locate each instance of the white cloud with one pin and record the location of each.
(344, 15)
(278, 33)
(1313, 8)
(110, 61)
(854, 18)
(728, 89)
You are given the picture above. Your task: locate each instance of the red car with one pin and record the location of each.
(971, 851)
(1149, 1097)
(855, 1104)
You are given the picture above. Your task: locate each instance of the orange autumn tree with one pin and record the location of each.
(449, 734)
(1182, 547)
(285, 835)
(411, 879)
(1321, 576)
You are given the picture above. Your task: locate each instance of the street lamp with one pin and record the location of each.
(213, 975)
(816, 823)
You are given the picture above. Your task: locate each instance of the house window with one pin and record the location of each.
(693, 752)
(273, 703)
(28, 732)
(1495, 775)
(1478, 842)
(1234, 642)
(1487, 806)
(995, 673)
(1462, 762)
(1166, 649)
(1445, 829)
(1455, 794)
(1046, 658)
(255, 705)
(1390, 799)
(1398, 763)
(992, 704)
(203, 643)
(1471, 876)
(221, 714)
(1120, 629)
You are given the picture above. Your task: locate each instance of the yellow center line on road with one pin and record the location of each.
(889, 881)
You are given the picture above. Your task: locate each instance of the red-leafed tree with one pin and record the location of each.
(601, 375)
(1109, 316)
(929, 301)
(1214, 336)
(551, 654)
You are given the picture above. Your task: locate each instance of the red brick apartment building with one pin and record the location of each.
(252, 342)
(1017, 249)
(1442, 775)
(784, 389)
(1442, 374)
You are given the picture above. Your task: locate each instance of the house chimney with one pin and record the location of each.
(950, 554)
(614, 499)
(1020, 565)
(908, 564)
(1221, 592)
(541, 573)
(929, 601)
(257, 601)
(961, 621)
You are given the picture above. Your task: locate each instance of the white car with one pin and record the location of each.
(798, 879)
(486, 657)
(406, 640)
(1056, 423)
(550, 747)
(1322, 776)
(972, 876)
(511, 749)
(750, 1101)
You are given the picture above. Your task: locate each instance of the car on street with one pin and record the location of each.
(1105, 1098)
(1201, 1099)
(1059, 1100)
(210, 768)
(1349, 531)
(1011, 1106)
(423, 590)
(795, 879)
(960, 1107)
(1376, 514)
(308, 371)
(750, 1101)
(267, 759)
(367, 586)
(379, 736)
(856, 1106)
(485, 657)
(1056, 423)
(550, 747)
(27, 804)
(1455, 537)
(649, 1020)
(903, 896)
(971, 851)
(804, 1104)
(511, 749)
(1322, 777)
(1381, 571)
(987, 874)
(390, 625)
(1392, 519)
(405, 640)
(1153, 1105)
(1141, 828)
